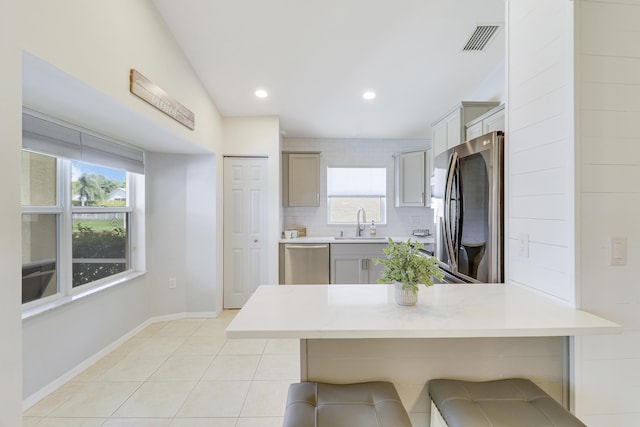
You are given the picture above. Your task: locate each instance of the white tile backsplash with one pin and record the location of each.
(356, 152)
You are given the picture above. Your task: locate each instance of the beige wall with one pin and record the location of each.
(10, 137)
(98, 43)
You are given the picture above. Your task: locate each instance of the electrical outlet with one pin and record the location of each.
(172, 282)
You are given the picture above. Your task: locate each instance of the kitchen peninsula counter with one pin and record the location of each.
(443, 311)
(357, 333)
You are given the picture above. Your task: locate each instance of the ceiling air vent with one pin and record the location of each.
(480, 38)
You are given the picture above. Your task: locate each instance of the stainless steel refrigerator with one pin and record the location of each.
(468, 197)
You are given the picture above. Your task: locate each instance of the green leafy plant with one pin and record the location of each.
(89, 244)
(404, 263)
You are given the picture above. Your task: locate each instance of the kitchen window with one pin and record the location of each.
(349, 189)
(79, 216)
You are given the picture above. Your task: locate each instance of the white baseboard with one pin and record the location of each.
(34, 398)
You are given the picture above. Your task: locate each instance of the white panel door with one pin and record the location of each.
(245, 234)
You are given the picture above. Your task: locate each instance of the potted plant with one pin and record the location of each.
(407, 267)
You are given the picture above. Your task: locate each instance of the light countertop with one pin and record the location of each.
(443, 311)
(352, 239)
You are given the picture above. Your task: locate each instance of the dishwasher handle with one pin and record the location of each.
(290, 246)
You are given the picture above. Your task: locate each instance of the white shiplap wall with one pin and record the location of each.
(539, 146)
(608, 112)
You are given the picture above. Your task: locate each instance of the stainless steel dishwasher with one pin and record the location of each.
(304, 264)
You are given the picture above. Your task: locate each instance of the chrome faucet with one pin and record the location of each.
(360, 228)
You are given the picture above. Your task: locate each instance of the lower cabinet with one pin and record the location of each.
(353, 263)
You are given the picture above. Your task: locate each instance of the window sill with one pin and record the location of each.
(67, 299)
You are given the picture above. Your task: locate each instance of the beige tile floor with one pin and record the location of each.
(182, 373)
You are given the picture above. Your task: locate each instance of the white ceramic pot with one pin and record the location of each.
(405, 296)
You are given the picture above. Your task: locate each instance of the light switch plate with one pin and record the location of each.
(617, 251)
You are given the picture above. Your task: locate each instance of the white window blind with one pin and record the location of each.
(50, 137)
(356, 182)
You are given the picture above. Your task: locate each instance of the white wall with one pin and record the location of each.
(10, 292)
(203, 236)
(608, 65)
(260, 136)
(166, 231)
(181, 233)
(539, 146)
(55, 343)
(583, 85)
(492, 87)
(91, 46)
(350, 153)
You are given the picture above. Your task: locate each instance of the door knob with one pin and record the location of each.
(255, 241)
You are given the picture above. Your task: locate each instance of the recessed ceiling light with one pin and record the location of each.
(369, 95)
(261, 93)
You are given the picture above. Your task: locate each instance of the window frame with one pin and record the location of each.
(64, 211)
(128, 209)
(383, 199)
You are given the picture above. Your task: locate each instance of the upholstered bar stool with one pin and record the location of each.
(312, 404)
(501, 403)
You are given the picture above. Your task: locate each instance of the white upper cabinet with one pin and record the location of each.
(449, 131)
(301, 179)
(492, 120)
(439, 137)
(412, 174)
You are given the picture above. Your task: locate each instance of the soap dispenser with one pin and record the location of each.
(372, 229)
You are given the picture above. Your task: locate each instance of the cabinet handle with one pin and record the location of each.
(318, 198)
(365, 264)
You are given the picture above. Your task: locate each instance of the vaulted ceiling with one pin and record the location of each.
(315, 58)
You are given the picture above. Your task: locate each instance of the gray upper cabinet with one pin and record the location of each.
(491, 121)
(449, 130)
(301, 179)
(412, 173)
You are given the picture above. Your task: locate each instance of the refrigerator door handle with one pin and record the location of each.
(448, 226)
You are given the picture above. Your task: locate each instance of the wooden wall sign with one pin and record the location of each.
(150, 92)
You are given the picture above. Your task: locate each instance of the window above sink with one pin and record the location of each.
(349, 189)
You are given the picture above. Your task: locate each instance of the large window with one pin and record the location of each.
(349, 189)
(77, 215)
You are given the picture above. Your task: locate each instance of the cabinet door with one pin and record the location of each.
(475, 130)
(304, 179)
(495, 121)
(346, 269)
(454, 129)
(439, 137)
(428, 171)
(352, 263)
(374, 270)
(411, 179)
